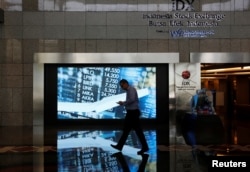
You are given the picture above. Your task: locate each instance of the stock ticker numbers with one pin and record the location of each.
(93, 84)
(86, 159)
(108, 162)
(110, 82)
(87, 84)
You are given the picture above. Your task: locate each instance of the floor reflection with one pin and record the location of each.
(81, 149)
(90, 150)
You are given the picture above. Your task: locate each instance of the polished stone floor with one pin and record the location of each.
(81, 149)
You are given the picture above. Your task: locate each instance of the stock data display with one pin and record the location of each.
(92, 92)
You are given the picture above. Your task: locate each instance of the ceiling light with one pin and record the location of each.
(213, 77)
(222, 70)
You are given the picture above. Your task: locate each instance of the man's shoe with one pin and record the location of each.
(116, 147)
(142, 151)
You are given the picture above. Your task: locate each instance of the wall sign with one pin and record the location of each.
(185, 24)
(187, 81)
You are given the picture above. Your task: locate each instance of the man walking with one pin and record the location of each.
(132, 118)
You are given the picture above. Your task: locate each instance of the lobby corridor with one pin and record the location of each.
(88, 149)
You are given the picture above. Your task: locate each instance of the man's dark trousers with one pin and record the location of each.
(132, 121)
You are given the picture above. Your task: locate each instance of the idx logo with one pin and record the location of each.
(183, 5)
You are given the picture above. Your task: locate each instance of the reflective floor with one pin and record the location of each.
(82, 149)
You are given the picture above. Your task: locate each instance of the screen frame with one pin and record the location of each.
(41, 59)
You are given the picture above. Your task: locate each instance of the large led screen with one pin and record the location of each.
(91, 92)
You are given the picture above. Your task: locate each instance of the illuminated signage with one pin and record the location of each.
(187, 81)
